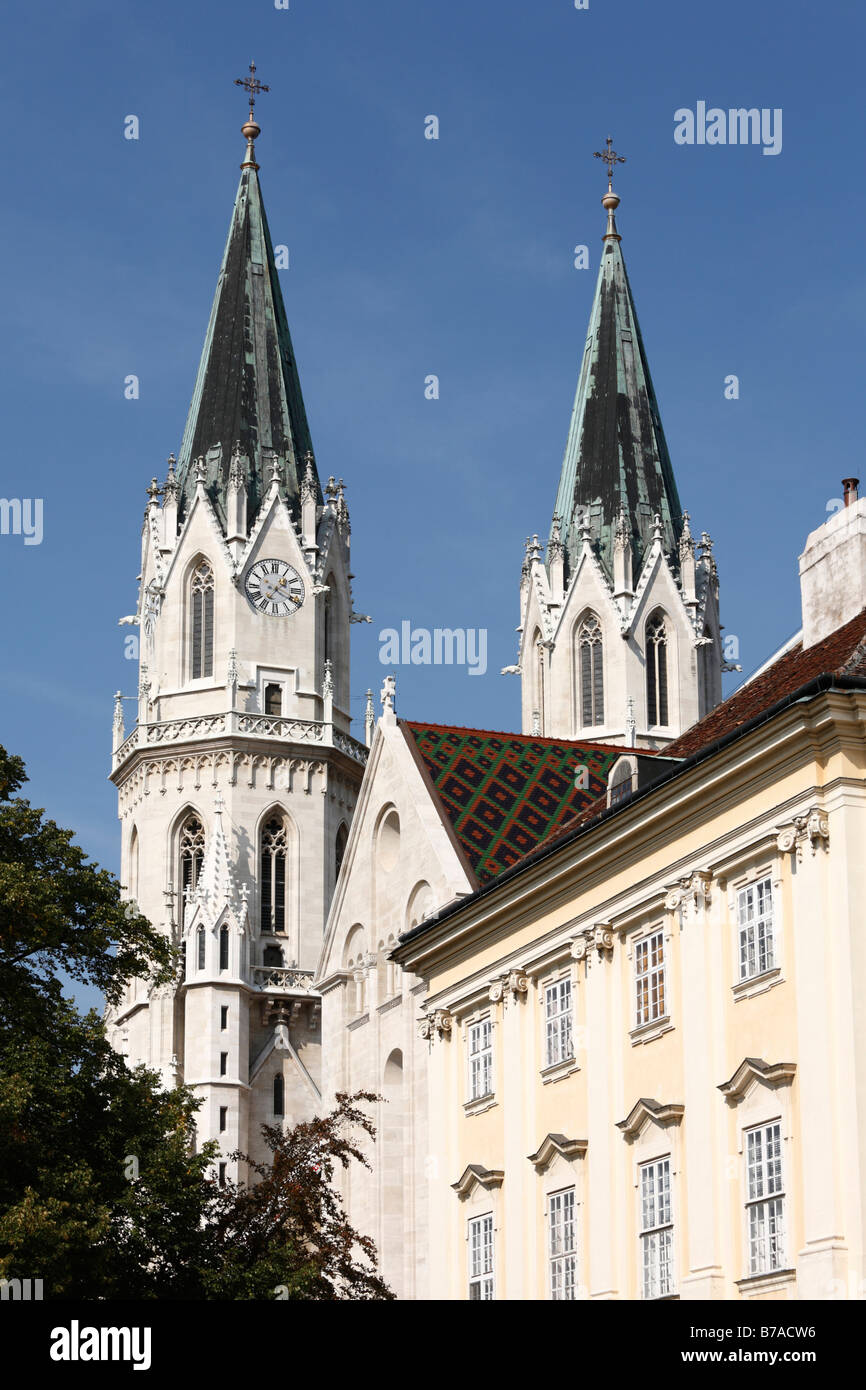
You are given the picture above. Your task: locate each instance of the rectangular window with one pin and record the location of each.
(765, 1198)
(481, 1059)
(224, 1017)
(222, 1175)
(562, 1245)
(481, 1257)
(224, 1063)
(649, 959)
(224, 1114)
(656, 1229)
(755, 924)
(273, 699)
(557, 1021)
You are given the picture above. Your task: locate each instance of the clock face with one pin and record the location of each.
(275, 588)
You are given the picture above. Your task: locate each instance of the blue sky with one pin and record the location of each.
(411, 257)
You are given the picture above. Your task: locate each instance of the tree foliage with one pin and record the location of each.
(103, 1192)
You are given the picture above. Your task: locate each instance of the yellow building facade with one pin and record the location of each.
(647, 1043)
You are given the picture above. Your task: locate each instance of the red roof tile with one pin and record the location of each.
(842, 653)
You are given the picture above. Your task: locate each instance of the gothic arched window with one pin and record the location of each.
(191, 860)
(327, 623)
(590, 656)
(274, 850)
(201, 597)
(657, 670)
(340, 850)
(538, 724)
(200, 948)
(279, 1095)
(133, 865)
(224, 948)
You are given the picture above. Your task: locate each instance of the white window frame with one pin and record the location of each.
(562, 1262)
(656, 1228)
(481, 1256)
(764, 1191)
(750, 937)
(559, 1023)
(646, 970)
(479, 1060)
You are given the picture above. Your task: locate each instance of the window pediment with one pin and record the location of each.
(645, 1110)
(553, 1144)
(475, 1175)
(753, 1069)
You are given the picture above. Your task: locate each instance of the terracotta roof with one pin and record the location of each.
(843, 653)
(504, 793)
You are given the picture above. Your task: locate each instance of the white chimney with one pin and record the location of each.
(833, 569)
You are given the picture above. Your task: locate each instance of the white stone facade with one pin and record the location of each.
(553, 616)
(205, 747)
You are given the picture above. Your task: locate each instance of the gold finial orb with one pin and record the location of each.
(610, 201)
(250, 129)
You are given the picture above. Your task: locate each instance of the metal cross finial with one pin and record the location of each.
(610, 158)
(252, 85)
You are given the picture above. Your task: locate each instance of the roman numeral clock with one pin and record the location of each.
(275, 588)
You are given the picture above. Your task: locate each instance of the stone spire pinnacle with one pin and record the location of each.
(247, 398)
(616, 456)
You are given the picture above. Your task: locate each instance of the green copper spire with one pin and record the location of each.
(247, 396)
(616, 456)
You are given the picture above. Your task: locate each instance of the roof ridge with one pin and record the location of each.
(531, 738)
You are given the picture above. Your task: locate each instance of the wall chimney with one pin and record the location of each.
(833, 569)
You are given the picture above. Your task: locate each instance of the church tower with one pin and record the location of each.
(237, 783)
(619, 622)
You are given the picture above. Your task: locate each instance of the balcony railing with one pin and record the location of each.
(278, 979)
(197, 728)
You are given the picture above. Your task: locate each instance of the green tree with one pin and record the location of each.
(102, 1192)
(286, 1235)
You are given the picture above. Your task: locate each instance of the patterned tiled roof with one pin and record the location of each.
(504, 793)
